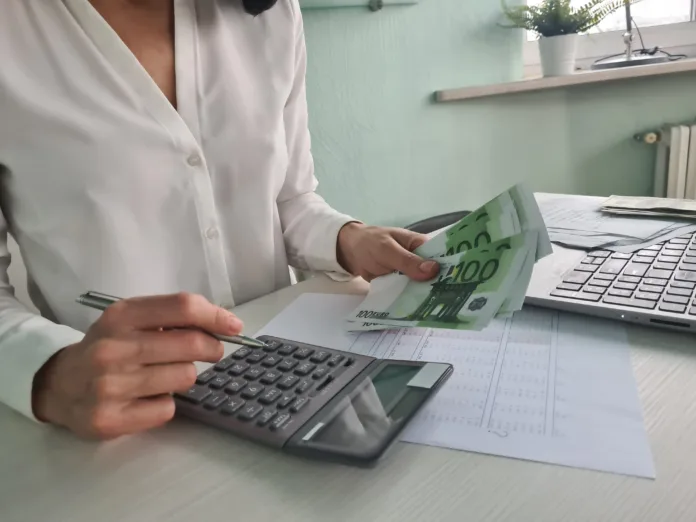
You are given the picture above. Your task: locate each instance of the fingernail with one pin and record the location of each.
(428, 266)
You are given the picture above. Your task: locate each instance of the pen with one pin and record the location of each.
(101, 301)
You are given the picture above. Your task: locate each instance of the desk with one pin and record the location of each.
(186, 472)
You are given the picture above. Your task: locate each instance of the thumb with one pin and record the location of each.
(408, 263)
(408, 239)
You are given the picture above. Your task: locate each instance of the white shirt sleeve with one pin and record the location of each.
(310, 225)
(27, 340)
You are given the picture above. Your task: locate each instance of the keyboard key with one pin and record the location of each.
(682, 284)
(303, 353)
(620, 293)
(287, 365)
(692, 311)
(625, 286)
(271, 395)
(605, 277)
(197, 394)
(287, 349)
(571, 287)
(206, 377)
(691, 267)
(677, 249)
(646, 253)
(679, 291)
(600, 253)
(643, 260)
(256, 356)
(220, 381)
(272, 346)
(305, 369)
(235, 386)
(305, 385)
(280, 421)
(320, 356)
(252, 391)
(589, 260)
(321, 372)
(594, 282)
(224, 364)
(635, 269)
(215, 400)
(620, 255)
(271, 361)
(249, 412)
(651, 288)
(656, 282)
(665, 266)
(232, 406)
(664, 258)
(336, 360)
(266, 417)
(238, 368)
(671, 307)
(270, 377)
(655, 248)
(680, 241)
(300, 403)
(627, 301)
(241, 353)
(285, 400)
(575, 295)
(598, 261)
(587, 268)
(613, 266)
(676, 299)
(288, 382)
(682, 275)
(577, 277)
(629, 279)
(648, 296)
(595, 289)
(659, 274)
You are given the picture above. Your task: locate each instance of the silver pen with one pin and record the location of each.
(101, 301)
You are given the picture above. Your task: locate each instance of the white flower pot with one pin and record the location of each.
(557, 54)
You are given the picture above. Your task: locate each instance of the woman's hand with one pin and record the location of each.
(370, 252)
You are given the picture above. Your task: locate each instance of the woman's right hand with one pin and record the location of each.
(119, 379)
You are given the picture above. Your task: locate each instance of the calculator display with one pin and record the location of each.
(362, 419)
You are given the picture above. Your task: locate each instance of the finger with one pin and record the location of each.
(172, 346)
(170, 311)
(146, 414)
(148, 381)
(408, 239)
(408, 263)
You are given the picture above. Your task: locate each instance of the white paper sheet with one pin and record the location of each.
(543, 386)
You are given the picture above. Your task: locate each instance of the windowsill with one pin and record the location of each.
(579, 78)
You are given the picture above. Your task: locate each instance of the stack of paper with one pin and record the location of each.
(652, 207)
(577, 222)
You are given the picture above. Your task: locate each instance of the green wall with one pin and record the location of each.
(387, 154)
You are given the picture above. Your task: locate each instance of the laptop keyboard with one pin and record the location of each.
(661, 277)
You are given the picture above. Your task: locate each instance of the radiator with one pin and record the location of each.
(675, 160)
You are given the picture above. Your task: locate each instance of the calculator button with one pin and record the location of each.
(336, 360)
(256, 356)
(220, 381)
(236, 385)
(271, 346)
(197, 394)
(271, 395)
(321, 372)
(287, 349)
(280, 421)
(303, 353)
(271, 361)
(232, 406)
(241, 353)
(305, 369)
(215, 400)
(320, 356)
(251, 391)
(270, 377)
(254, 373)
(288, 398)
(266, 417)
(288, 382)
(250, 411)
(238, 368)
(299, 404)
(224, 364)
(287, 365)
(305, 385)
(206, 377)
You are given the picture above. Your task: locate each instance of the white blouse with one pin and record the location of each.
(107, 187)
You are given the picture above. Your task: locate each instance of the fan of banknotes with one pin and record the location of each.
(486, 262)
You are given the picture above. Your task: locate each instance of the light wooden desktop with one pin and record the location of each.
(187, 472)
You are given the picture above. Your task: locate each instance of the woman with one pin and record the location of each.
(159, 148)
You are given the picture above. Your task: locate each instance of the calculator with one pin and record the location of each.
(312, 401)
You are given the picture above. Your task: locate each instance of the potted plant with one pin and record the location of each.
(558, 23)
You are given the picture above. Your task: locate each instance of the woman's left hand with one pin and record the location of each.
(370, 252)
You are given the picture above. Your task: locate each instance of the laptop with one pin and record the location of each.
(653, 286)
